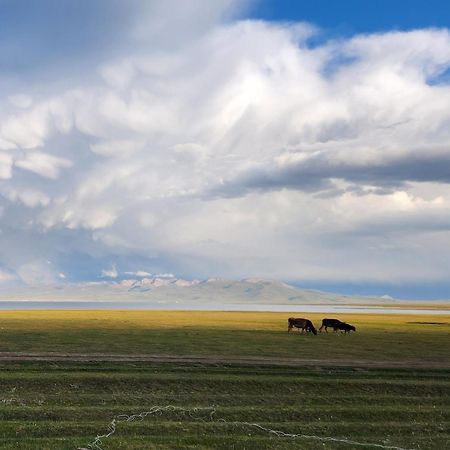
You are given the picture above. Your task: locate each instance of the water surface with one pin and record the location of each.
(110, 305)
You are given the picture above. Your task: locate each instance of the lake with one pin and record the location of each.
(106, 305)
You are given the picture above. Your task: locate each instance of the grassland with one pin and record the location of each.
(379, 338)
(402, 402)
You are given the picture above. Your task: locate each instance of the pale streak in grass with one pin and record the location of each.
(96, 444)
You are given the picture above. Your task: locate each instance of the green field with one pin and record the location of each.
(388, 384)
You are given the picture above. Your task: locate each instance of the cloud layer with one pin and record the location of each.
(204, 145)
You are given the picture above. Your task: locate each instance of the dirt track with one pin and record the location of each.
(190, 359)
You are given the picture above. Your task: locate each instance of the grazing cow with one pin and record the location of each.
(301, 324)
(346, 327)
(333, 323)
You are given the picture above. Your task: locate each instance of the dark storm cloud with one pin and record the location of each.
(315, 173)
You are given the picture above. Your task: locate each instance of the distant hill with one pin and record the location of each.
(168, 289)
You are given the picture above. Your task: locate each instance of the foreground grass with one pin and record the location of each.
(385, 338)
(64, 406)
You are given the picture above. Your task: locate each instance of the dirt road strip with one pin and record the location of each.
(189, 359)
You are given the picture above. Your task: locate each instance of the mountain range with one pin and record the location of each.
(169, 289)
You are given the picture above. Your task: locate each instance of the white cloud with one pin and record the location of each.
(110, 273)
(30, 198)
(43, 164)
(21, 100)
(6, 277)
(37, 272)
(139, 273)
(6, 162)
(241, 150)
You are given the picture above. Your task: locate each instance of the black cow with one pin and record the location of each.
(346, 327)
(332, 323)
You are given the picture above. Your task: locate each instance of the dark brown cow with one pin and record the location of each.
(301, 324)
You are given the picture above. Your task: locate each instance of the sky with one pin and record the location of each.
(301, 141)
